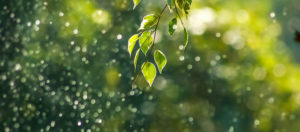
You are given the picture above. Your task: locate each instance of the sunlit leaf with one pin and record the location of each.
(136, 2)
(149, 72)
(172, 24)
(186, 38)
(132, 42)
(136, 58)
(160, 60)
(148, 21)
(145, 41)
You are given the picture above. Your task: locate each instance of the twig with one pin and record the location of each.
(179, 15)
(152, 46)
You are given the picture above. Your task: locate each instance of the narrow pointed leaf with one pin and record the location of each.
(148, 21)
(136, 2)
(132, 42)
(145, 41)
(172, 26)
(136, 58)
(149, 72)
(160, 60)
(186, 38)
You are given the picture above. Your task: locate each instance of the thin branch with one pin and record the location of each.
(179, 15)
(179, 18)
(152, 46)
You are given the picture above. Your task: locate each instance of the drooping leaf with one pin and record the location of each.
(136, 58)
(186, 38)
(149, 72)
(172, 25)
(145, 41)
(160, 60)
(136, 2)
(148, 21)
(131, 42)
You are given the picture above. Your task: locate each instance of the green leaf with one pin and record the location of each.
(136, 2)
(132, 42)
(148, 21)
(160, 60)
(171, 3)
(136, 58)
(172, 23)
(180, 3)
(186, 8)
(149, 72)
(145, 41)
(186, 38)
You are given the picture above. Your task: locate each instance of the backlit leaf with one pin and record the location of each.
(136, 58)
(132, 42)
(136, 2)
(160, 60)
(148, 21)
(149, 72)
(145, 41)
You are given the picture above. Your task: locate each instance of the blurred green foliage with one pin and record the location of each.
(64, 66)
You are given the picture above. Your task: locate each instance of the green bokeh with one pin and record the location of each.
(65, 66)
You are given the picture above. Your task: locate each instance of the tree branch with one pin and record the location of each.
(152, 46)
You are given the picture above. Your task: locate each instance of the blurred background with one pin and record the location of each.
(64, 66)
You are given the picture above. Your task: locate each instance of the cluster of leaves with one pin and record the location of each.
(147, 34)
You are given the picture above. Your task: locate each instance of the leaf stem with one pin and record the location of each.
(152, 46)
(179, 15)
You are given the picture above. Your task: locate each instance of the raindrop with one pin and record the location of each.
(181, 58)
(256, 123)
(197, 58)
(72, 43)
(272, 14)
(18, 67)
(61, 14)
(37, 22)
(79, 123)
(52, 123)
(218, 35)
(99, 120)
(191, 119)
(119, 36)
(28, 24)
(67, 24)
(75, 31)
(189, 67)
(174, 27)
(181, 47)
